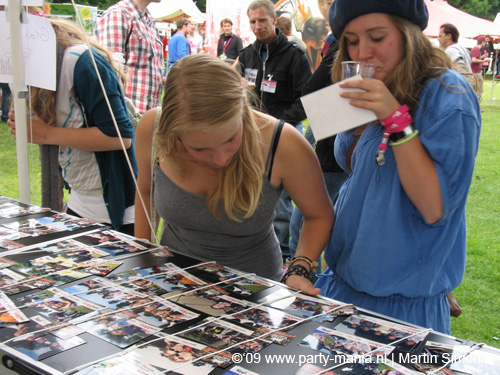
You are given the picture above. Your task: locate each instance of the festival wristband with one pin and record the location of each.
(397, 121)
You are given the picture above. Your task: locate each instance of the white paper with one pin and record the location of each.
(39, 52)
(329, 114)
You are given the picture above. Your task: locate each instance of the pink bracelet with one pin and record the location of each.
(397, 121)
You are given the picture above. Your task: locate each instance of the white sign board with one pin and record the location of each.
(39, 52)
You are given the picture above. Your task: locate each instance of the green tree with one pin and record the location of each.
(105, 4)
(101, 4)
(202, 5)
(480, 8)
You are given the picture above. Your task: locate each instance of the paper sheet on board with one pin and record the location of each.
(39, 52)
(329, 114)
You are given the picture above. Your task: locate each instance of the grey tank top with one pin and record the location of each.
(191, 229)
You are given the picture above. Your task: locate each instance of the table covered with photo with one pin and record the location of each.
(79, 298)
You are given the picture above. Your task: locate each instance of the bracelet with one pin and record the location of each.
(406, 132)
(406, 139)
(298, 270)
(397, 121)
(312, 265)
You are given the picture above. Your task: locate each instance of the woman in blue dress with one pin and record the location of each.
(399, 239)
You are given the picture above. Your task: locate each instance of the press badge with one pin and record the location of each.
(268, 86)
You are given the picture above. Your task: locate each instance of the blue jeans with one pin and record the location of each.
(5, 101)
(333, 182)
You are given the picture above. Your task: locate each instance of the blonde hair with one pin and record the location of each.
(204, 93)
(68, 33)
(420, 61)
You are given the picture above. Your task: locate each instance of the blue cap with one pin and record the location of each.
(344, 11)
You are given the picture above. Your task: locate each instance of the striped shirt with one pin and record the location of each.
(125, 29)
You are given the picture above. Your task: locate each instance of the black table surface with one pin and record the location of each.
(96, 348)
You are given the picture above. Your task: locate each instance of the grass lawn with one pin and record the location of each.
(479, 293)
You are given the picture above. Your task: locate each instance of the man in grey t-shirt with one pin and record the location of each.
(448, 39)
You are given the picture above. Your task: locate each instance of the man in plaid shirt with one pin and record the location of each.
(128, 29)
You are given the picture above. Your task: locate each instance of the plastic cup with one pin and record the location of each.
(354, 68)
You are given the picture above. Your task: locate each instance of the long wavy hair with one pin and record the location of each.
(68, 33)
(420, 61)
(204, 93)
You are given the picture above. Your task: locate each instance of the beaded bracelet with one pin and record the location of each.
(298, 270)
(312, 265)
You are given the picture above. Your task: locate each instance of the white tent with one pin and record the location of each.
(469, 26)
(172, 10)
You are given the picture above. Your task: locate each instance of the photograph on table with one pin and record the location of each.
(9, 313)
(65, 222)
(10, 331)
(47, 224)
(9, 244)
(42, 345)
(384, 332)
(311, 369)
(171, 278)
(387, 367)
(266, 317)
(473, 361)
(12, 209)
(133, 280)
(160, 312)
(238, 370)
(74, 250)
(5, 263)
(66, 276)
(172, 353)
(105, 293)
(99, 267)
(57, 305)
(219, 334)
(13, 283)
(114, 243)
(235, 281)
(307, 306)
(210, 301)
(119, 329)
(44, 265)
(10, 234)
(28, 228)
(340, 344)
(277, 337)
(37, 324)
(119, 365)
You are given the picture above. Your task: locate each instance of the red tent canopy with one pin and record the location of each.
(469, 26)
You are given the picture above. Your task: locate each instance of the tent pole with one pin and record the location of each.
(494, 75)
(19, 91)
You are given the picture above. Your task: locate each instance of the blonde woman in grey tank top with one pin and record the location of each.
(218, 169)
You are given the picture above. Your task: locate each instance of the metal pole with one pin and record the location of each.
(19, 91)
(495, 73)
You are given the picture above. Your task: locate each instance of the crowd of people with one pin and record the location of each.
(220, 159)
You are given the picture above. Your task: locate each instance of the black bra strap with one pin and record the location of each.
(274, 146)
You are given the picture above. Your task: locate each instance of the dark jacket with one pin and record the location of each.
(320, 79)
(233, 48)
(288, 66)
